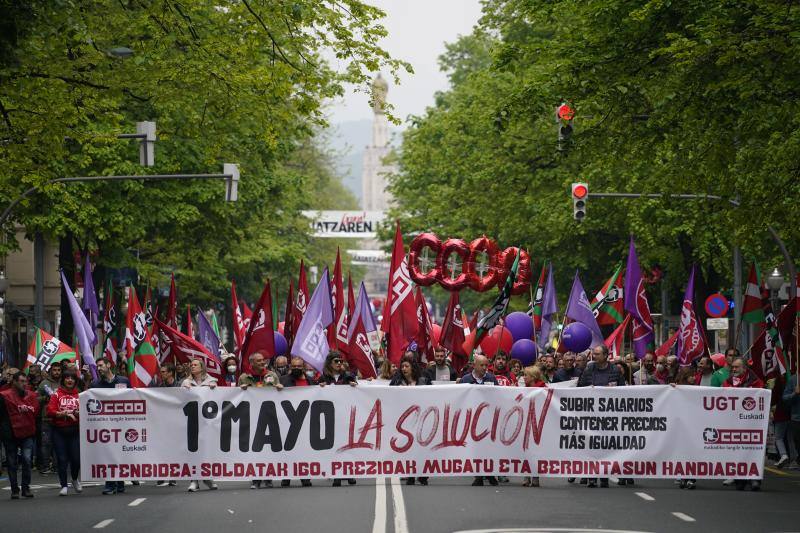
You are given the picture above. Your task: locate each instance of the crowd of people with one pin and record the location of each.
(39, 410)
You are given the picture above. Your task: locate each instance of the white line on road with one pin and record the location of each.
(684, 517)
(136, 502)
(400, 522)
(646, 497)
(104, 523)
(379, 525)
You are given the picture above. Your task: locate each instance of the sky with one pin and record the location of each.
(418, 30)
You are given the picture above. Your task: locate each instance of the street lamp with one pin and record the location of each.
(775, 282)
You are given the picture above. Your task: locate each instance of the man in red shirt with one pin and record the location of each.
(500, 369)
(298, 376)
(19, 408)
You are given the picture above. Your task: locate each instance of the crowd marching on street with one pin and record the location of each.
(39, 411)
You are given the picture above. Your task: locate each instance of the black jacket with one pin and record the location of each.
(289, 381)
(601, 377)
(430, 373)
(345, 378)
(397, 380)
(562, 374)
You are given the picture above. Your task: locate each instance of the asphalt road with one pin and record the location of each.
(447, 505)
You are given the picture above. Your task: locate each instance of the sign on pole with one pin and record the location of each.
(717, 306)
(347, 224)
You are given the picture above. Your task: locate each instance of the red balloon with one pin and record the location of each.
(436, 334)
(469, 342)
(424, 279)
(280, 327)
(505, 260)
(497, 339)
(489, 279)
(460, 248)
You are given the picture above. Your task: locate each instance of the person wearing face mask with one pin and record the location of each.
(297, 376)
(662, 371)
(230, 378)
(281, 365)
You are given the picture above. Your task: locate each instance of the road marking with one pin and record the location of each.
(400, 522)
(684, 517)
(104, 523)
(379, 525)
(136, 502)
(779, 472)
(645, 496)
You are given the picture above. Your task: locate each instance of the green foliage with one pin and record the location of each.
(231, 81)
(716, 83)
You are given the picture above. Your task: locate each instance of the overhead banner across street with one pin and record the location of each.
(456, 430)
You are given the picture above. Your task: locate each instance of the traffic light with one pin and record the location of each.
(564, 116)
(580, 193)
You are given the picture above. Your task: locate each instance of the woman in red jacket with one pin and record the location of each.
(63, 412)
(742, 377)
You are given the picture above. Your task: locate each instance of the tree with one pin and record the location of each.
(687, 97)
(229, 81)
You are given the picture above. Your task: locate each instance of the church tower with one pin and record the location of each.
(373, 177)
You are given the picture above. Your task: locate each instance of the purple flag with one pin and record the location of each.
(90, 301)
(82, 328)
(311, 340)
(636, 304)
(549, 307)
(363, 311)
(691, 340)
(207, 336)
(580, 310)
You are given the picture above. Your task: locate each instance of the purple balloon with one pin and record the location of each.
(576, 337)
(520, 325)
(525, 351)
(281, 346)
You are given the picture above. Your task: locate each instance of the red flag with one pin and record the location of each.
(260, 335)
(752, 308)
(452, 336)
(239, 329)
(172, 307)
(351, 301)
(400, 316)
(301, 302)
(189, 325)
(691, 339)
(424, 329)
(288, 322)
(337, 331)
(359, 354)
(667, 346)
(615, 340)
(185, 348)
(247, 314)
(341, 316)
(142, 360)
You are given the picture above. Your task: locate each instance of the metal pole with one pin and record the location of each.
(737, 298)
(38, 279)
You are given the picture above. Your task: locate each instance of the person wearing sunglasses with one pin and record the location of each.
(333, 373)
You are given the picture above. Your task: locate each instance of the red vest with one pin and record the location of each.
(22, 412)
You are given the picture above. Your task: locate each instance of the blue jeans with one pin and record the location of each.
(13, 447)
(66, 441)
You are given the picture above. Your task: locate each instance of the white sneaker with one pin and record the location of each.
(782, 461)
(728, 482)
(193, 486)
(63, 491)
(210, 484)
(76, 484)
(162, 484)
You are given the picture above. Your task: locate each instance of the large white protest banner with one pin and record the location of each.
(310, 432)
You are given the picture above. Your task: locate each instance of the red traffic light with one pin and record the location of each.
(565, 112)
(579, 191)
